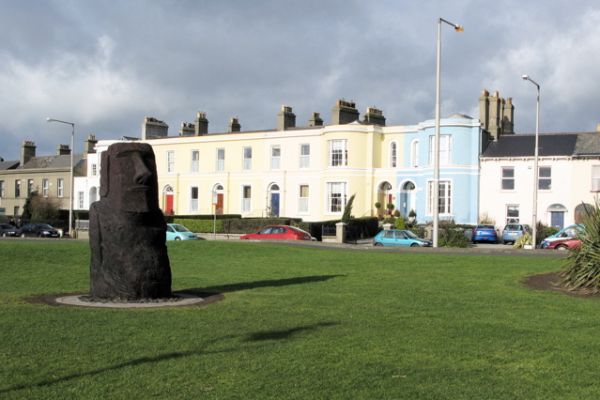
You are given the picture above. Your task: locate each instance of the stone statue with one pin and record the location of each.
(129, 259)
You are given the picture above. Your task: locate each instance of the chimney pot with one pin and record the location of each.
(286, 118)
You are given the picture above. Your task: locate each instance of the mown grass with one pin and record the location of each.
(299, 323)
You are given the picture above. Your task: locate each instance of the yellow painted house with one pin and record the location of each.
(307, 172)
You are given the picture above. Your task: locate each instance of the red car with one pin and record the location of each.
(278, 232)
(563, 244)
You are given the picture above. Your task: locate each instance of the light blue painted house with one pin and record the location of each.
(461, 139)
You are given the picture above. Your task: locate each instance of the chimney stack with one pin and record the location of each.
(508, 115)
(315, 120)
(63, 150)
(484, 109)
(344, 112)
(90, 143)
(201, 127)
(187, 129)
(27, 151)
(234, 125)
(286, 118)
(154, 128)
(374, 116)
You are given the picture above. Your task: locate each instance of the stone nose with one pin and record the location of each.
(142, 173)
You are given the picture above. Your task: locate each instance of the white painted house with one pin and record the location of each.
(569, 175)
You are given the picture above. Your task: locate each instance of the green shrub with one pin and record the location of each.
(543, 231)
(523, 240)
(400, 223)
(452, 237)
(200, 225)
(583, 264)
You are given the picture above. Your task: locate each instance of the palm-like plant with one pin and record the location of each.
(583, 264)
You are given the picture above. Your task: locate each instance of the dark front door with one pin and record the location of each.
(275, 204)
(557, 219)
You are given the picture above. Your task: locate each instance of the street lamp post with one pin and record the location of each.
(436, 142)
(71, 197)
(535, 159)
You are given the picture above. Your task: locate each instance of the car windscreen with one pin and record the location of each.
(411, 235)
(180, 228)
(512, 228)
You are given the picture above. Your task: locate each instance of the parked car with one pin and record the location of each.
(561, 244)
(395, 237)
(564, 239)
(38, 230)
(8, 230)
(484, 233)
(279, 232)
(512, 232)
(179, 232)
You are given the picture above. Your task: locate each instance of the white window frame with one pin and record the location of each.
(247, 158)
(305, 155)
(195, 161)
(94, 169)
(275, 156)
(506, 179)
(30, 188)
(17, 188)
(194, 201)
(45, 187)
(512, 219)
(338, 153)
(170, 162)
(341, 191)
(303, 201)
(220, 161)
(545, 178)
(595, 178)
(446, 186)
(393, 154)
(414, 153)
(246, 201)
(60, 187)
(445, 149)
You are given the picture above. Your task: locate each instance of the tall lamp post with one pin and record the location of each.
(535, 159)
(70, 172)
(436, 142)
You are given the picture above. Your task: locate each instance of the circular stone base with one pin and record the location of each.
(179, 299)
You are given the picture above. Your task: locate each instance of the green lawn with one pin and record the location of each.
(299, 323)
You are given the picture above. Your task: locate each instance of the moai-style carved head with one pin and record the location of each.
(128, 180)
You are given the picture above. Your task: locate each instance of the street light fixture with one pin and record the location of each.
(535, 159)
(436, 142)
(71, 197)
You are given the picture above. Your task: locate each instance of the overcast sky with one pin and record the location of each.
(106, 64)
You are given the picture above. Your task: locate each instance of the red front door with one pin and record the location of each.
(219, 205)
(169, 204)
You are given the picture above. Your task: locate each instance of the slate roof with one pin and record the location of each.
(52, 162)
(579, 144)
(4, 165)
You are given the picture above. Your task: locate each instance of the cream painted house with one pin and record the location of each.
(569, 175)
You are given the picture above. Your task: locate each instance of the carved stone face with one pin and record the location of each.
(128, 180)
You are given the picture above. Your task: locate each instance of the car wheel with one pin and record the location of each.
(177, 238)
(377, 244)
(561, 247)
(414, 245)
(22, 235)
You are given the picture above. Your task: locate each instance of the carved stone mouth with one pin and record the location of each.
(139, 188)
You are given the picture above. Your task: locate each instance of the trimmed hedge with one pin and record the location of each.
(200, 225)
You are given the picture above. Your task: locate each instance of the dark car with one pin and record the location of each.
(484, 233)
(8, 230)
(38, 230)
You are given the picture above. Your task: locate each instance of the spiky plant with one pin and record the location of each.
(583, 264)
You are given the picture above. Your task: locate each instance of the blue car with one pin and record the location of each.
(179, 232)
(484, 233)
(394, 237)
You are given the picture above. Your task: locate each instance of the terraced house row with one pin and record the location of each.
(310, 171)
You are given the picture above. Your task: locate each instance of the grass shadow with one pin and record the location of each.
(287, 333)
(235, 287)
